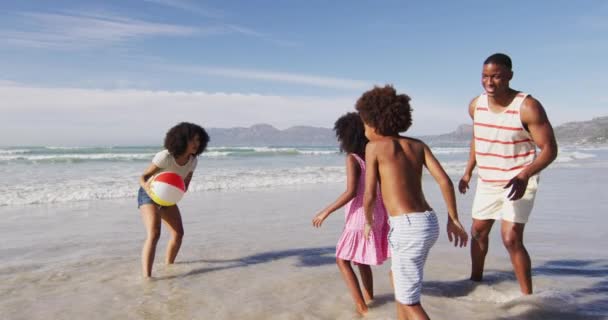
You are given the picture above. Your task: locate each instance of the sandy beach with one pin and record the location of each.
(253, 254)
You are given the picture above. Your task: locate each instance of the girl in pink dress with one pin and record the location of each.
(352, 246)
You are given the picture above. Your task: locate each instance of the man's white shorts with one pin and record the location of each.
(491, 202)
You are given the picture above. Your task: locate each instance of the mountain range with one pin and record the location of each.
(594, 131)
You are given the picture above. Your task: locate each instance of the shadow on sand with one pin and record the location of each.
(306, 257)
(559, 306)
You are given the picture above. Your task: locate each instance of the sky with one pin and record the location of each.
(122, 72)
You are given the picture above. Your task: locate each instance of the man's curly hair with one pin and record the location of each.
(385, 110)
(351, 134)
(177, 138)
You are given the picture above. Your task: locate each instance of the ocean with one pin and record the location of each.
(72, 237)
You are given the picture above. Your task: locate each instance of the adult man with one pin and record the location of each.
(508, 126)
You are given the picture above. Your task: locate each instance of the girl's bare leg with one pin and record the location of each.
(353, 284)
(173, 219)
(151, 219)
(368, 282)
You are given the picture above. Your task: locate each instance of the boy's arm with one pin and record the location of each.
(533, 116)
(352, 179)
(371, 183)
(455, 229)
(463, 184)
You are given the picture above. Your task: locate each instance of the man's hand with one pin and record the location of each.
(463, 184)
(518, 186)
(457, 233)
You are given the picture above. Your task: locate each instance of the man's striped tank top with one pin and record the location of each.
(502, 146)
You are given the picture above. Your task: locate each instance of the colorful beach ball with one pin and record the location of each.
(167, 188)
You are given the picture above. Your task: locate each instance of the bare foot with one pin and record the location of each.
(370, 303)
(362, 310)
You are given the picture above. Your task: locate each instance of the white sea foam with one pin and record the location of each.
(40, 175)
(444, 150)
(569, 156)
(75, 157)
(125, 185)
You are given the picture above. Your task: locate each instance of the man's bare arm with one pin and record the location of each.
(535, 119)
(463, 184)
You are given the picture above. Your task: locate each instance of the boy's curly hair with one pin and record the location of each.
(176, 140)
(351, 134)
(385, 110)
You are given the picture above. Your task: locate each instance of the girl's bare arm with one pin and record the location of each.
(352, 180)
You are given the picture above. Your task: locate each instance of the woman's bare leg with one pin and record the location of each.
(173, 219)
(151, 219)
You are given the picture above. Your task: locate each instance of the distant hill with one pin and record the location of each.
(594, 131)
(267, 135)
(459, 137)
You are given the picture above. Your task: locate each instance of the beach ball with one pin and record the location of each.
(167, 188)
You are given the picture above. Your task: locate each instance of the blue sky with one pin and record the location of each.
(122, 72)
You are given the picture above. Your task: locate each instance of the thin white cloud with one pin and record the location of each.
(84, 30)
(218, 14)
(190, 7)
(8, 83)
(89, 116)
(249, 74)
(252, 33)
(70, 31)
(75, 116)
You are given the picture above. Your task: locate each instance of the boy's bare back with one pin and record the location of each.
(398, 162)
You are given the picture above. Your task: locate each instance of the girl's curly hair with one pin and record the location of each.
(351, 134)
(385, 110)
(176, 140)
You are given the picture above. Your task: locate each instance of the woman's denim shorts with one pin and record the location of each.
(144, 198)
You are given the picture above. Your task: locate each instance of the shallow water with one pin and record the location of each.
(253, 254)
(250, 252)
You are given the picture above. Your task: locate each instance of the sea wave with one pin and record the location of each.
(36, 155)
(122, 183)
(119, 185)
(569, 156)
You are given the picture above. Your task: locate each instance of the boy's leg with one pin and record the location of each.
(173, 219)
(151, 219)
(353, 284)
(368, 281)
(411, 312)
(480, 231)
(513, 239)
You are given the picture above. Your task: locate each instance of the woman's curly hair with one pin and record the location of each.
(351, 134)
(385, 110)
(177, 138)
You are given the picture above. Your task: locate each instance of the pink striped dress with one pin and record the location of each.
(352, 245)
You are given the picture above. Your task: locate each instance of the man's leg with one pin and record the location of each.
(480, 231)
(513, 239)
